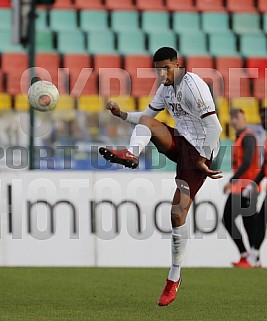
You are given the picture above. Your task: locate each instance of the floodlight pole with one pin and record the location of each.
(31, 43)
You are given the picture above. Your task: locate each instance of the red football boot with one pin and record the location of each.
(169, 292)
(122, 156)
(243, 263)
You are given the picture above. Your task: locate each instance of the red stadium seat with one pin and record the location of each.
(150, 5)
(222, 64)
(120, 5)
(63, 4)
(256, 62)
(262, 6)
(14, 62)
(145, 85)
(92, 4)
(199, 62)
(113, 83)
(180, 5)
(107, 61)
(240, 6)
(1, 81)
(131, 63)
(210, 5)
(86, 84)
(5, 3)
(75, 62)
(260, 88)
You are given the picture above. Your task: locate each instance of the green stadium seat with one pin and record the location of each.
(265, 22)
(244, 23)
(153, 21)
(94, 20)
(101, 42)
(186, 22)
(192, 44)
(253, 45)
(44, 41)
(61, 20)
(136, 45)
(6, 44)
(41, 20)
(5, 19)
(215, 22)
(71, 42)
(161, 39)
(124, 20)
(223, 44)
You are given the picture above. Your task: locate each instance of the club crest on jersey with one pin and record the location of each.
(179, 96)
(177, 109)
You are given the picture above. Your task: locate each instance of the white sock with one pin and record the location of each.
(179, 239)
(244, 255)
(139, 140)
(253, 256)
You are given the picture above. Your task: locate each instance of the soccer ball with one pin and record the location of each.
(43, 95)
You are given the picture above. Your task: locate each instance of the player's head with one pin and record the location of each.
(264, 118)
(238, 119)
(166, 62)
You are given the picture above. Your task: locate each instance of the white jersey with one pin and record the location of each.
(189, 101)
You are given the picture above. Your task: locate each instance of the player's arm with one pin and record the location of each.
(200, 100)
(156, 106)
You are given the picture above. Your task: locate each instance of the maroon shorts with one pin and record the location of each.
(189, 178)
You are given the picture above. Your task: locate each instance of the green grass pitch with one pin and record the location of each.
(130, 294)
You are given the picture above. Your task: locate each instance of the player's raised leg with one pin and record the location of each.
(147, 129)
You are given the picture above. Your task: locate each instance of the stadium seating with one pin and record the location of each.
(84, 83)
(253, 45)
(250, 107)
(257, 62)
(124, 20)
(244, 23)
(107, 61)
(199, 62)
(150, 5)
(119, 5)
(113, 82)
(192, 44)
(94, 20)
(240, 5)
(63, 4)
(14, 62)
(180, 5)
(90, 103)
(135, 46)
(92, 4)
(126, 103)
(215, 22)
(132, 63)
(41, 20)
(262, 6)
(5, 3)
(265, 22)
(71, 41)
(210, 5)
(154, 21)
(144, 83)
(6, 44)
(160, 39)
(65, 103)
(63, 20)
(223, 44)
(5, 19)
(5, 101)
(101, 42)
(21, 103)
(186, 22)
(223, 64)
(260, 88)
(44, 41)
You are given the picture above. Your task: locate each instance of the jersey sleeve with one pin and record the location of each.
(199, 97)
(158, 103)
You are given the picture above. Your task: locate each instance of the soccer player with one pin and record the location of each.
(246, 166)
(261, 217)
(191, 144)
